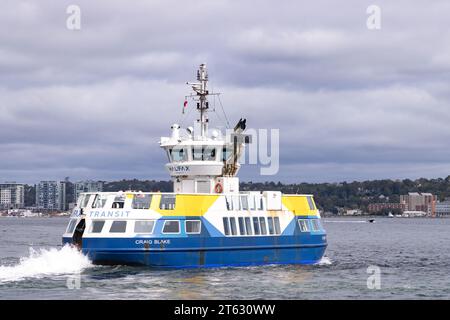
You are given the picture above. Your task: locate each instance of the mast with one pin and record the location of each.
(202, 92)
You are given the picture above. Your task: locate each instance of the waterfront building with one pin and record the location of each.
(443, 208)
(51, 195)
(12, 195)
(377, 207)
(86, 186)
(415, 201)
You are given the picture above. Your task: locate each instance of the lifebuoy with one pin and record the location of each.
(218, 188)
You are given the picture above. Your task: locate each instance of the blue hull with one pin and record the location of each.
(201, 253)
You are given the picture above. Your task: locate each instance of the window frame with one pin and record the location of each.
(141, 194)
(256, 226)
(93, 222)
(318, 225)
(193, 220)
(167, 196)
(171, 220)
(153, 228)
(248, 226)
(233, 226)
(277, 225)
(116, 222)
(305, 221)
(226, 226)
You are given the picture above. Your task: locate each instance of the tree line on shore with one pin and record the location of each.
(329, 197)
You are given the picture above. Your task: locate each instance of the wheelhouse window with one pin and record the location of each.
(118, 227)
(226, 154)
(119, 202)
(141, 201)
(203, 153)
(144, 226)
(171, 226)
(71, 225)
(178, 154)
(209, 154)
(310, 203)
(303, 224)
(167, 202)
(97, 226)
(193, 226)
(99, 201)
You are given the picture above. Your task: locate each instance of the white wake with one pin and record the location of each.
(325, 261)
(46, 262)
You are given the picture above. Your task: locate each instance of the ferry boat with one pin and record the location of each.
(206, 221)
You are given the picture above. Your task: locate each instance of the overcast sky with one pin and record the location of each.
(351, 103)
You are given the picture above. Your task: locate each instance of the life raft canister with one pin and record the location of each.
(218, 188)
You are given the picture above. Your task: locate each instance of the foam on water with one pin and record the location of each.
(46, 262)
(325, 261)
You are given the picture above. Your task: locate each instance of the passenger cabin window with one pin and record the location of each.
(233, 226)
(118, 227)
(144, 226)
(119, 202)
(259, 203)
(311, 203)
(226, 226)
(248, 226)
(244, 202)
(251, 203)
(193, 226)
(97, 226)
(256, 225)
(303, 224)
(141, 201)
(99, 201)
(276, 221)
(171, 226)
(178, 154)
(85, 201)
(229, 203)
(71, 225)
(270, 225)
(315, 225)
(241, 226)
(167, 202)
(262, 224)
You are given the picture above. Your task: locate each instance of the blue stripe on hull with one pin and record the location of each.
(211, 252)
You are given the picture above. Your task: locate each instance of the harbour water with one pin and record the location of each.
(412, 255)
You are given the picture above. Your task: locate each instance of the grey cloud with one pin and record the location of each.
(350, 103)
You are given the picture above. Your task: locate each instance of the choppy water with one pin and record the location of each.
(413, 256)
